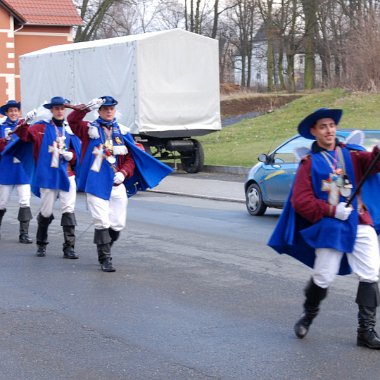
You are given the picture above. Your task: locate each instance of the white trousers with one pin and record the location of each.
(111, 213)
(67, 199)
(23, 195)
(364, 260)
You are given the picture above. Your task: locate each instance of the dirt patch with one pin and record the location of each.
(239, 105)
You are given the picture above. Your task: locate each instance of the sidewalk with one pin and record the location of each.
(192, 185)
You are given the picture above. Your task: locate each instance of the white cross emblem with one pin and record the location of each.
(333, 190)
(97, 164)
(55, 154)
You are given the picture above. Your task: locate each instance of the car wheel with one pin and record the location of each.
(254, 200)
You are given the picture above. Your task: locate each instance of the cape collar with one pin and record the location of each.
(315, 148)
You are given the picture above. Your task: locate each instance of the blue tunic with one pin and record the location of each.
(46, 175)
(332, 232)
(297, 237)
(12, 171)
(147, 174)
(42, 174)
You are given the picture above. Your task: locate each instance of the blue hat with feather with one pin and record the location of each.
(321, 113)
(10, 103)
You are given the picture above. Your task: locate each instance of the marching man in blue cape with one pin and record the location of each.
(317, 228)
(12, 172)
(111, 164)
(55, 151)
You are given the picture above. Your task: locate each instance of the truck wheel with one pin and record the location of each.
(192, 162)
(147, 148)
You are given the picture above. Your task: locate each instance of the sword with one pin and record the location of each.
(364, 178)
(90, 105)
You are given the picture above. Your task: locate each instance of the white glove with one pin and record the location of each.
(119, 178)
(342, 212)
(7, 133)
(31, 115)
(94, 104)
(93, 132)
(67, 155)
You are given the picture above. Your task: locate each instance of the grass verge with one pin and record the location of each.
(240, 144)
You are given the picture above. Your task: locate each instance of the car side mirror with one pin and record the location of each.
(263, 158)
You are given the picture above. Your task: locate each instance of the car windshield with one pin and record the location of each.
(371, 139)
(286, 152)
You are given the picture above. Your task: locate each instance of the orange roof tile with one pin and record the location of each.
(45, 12)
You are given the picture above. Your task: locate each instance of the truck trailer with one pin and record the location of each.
(167, 85)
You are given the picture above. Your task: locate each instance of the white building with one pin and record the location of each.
(259, 72)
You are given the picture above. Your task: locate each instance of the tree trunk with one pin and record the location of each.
(89, 31)
(215, 21)
(291, 79)
(270, 51)
(310, 12)
(280, 69)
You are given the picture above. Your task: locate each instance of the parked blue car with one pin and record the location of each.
(269, 181)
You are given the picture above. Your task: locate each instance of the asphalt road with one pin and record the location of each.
(197, 295)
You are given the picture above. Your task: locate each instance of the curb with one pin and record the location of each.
(222, 199)
(226, 169)
(239, 170)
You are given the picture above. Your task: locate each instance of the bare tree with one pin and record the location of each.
(121, 20)
(362, 50)
(284, 22)
(170, 14)
(242, 17)
(195, 13)
(93, 14)
(291, 42)
(266, 10)
(310, 16)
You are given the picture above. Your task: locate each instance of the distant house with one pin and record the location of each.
(28, 25)
(259, 72)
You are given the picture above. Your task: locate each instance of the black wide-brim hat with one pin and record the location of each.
(10, 103)
(322, 113)
(56, 101)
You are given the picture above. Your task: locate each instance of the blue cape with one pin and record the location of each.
(287, 237)
(24, 152)
(147, 174)
(11, 172)
(148, 171)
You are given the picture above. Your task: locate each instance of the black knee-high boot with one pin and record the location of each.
(114, 235)
(102, 239)
(68, 223)
(2, 212)
(314, 295)
(368, 298)
(24, 217)
(42, 234)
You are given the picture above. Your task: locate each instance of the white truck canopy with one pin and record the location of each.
(167, 83)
